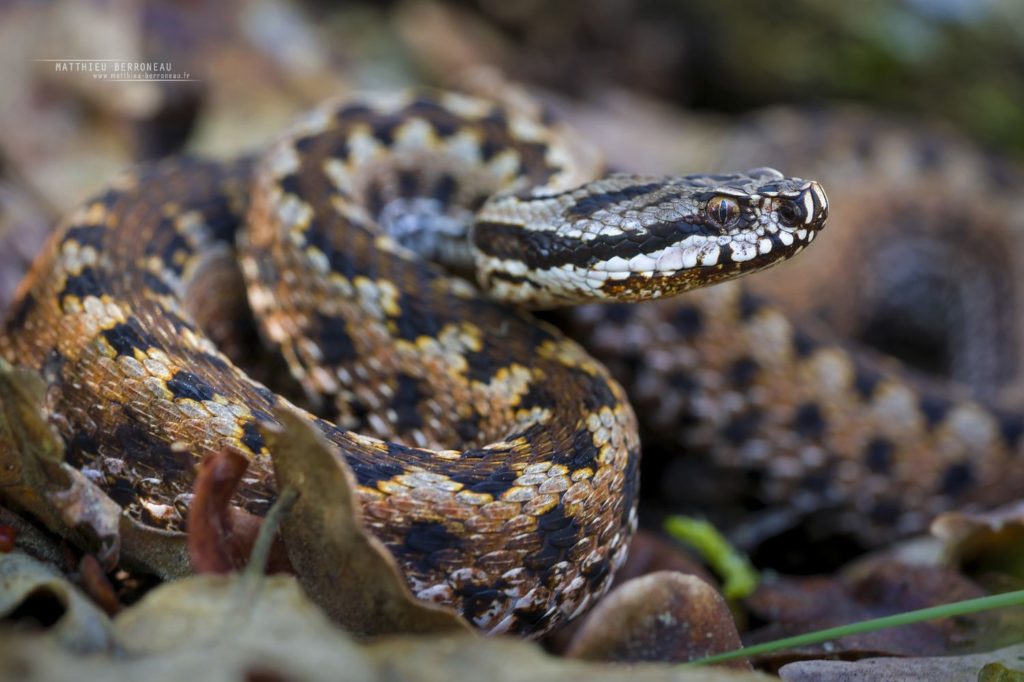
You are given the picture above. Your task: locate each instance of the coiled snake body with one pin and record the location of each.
(494, 457)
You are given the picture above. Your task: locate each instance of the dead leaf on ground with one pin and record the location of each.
(35, 480)
(793, 606)
(6, 538)
(95, 583)
(34, 596)
(936, 668)
(218, 628)
(505, 659)
(984, 542)
(343, 568)
(220, 536)
(664, 616)
(32, 540)
(648, 553)
(34, 477)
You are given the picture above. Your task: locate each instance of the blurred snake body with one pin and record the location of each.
(493, 456)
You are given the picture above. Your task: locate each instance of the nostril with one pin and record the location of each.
(791, 213)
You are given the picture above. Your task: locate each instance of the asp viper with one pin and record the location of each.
(495, 458)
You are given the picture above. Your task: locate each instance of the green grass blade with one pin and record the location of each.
(960, 608)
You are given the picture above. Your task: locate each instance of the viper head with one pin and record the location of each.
(626, 237)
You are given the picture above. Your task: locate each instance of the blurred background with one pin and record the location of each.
(911, 113)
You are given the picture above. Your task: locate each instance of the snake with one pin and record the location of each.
(848, 397)
(495, 458)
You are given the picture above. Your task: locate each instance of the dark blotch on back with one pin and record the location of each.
(85, 235)
(251, 437)
(934, 408)
(742, 427)
(187, 385)
(582, 454)
(749, 305)
(865, 381)
(957, 479)
(809, 421)
(167, 244)
(803, 343)
(444, 122)
(333, 339)
(495, 483)
(589, 205)
(415, 320)
(688, 321)
(369, 473)
(341, 262)
(428, 537)
(743, 372)
(137, 444)
(125, 338)
(558, 534)
(406, 402)
(86, 283)
(1011, 426)
(156, 284)
(878, 455)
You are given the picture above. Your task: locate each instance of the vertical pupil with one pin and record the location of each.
(723, 211)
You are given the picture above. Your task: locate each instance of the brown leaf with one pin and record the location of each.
(883, 587)
(343, 568)
(212, 627)
(648, 553)
(664, 616)
(97, 585)
(6, 539)
(35, 596)
(458, 657)
(86, 508)
(34, 478)
(982, 542)
(220, 536)
(945, 668)
(34, 541)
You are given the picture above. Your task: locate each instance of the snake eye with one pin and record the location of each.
(791, 213)
(723, 211)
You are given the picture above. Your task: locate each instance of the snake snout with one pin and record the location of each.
(804, 210)
(813, 206)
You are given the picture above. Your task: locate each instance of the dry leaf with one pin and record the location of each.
(990, 541)
(86, 509)
(343, 568)
(6, 539)
(220, 536)
(504, 659)
(933, 668)
(664, 616)
(33, 595)
(95, 583)
(217, 628)
(794, 606)
(35, 480)
(33, 476)
(648, 553)
(33, 540)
